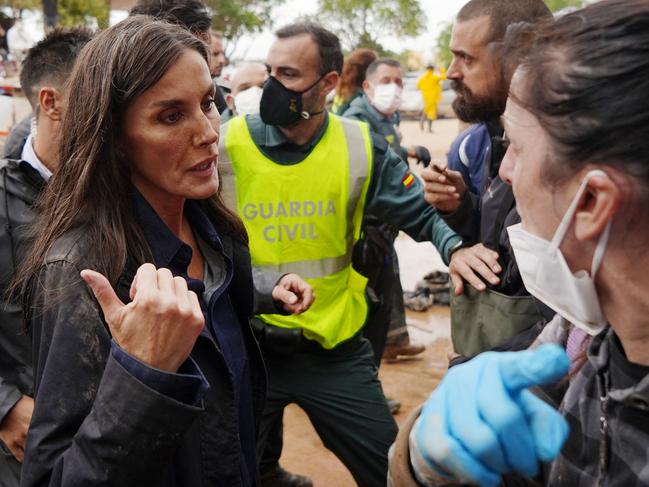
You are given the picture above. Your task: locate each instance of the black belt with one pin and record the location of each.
(276, 340)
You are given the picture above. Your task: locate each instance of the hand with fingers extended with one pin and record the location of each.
(443, 188)
(469, 263)
(160, 325)
(294, 293)
(482, 421)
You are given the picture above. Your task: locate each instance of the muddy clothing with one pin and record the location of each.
(607, 386)
(104, 418)
(20, 186)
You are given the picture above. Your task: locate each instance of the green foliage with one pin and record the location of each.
(91, 13)
(359, 23)
(17, 6)
(556, 5)
(444, 56)
(234, 18)
(83, 12)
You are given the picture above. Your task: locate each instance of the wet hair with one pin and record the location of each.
(503, 13)
(354, 69)
(50, 61)
(331, 54)
(384, 61)
(92, 191)
(191, 14)
(587, 80)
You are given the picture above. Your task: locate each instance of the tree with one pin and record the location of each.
(234, 18)
(83, 12)
(444, 56)
(556, 5)
(360, 23)
(17, 6)
(92, 13)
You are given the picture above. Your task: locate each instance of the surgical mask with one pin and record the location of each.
(387, 98)
(246, 102)
(281, 106)
(546, 274)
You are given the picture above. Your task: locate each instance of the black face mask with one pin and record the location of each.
(281, 106)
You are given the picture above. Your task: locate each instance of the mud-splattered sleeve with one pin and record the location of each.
(94, 423)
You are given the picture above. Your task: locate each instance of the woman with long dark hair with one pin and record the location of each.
(578, 160)
(138, 288)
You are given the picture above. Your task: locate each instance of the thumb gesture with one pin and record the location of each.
(110, 304)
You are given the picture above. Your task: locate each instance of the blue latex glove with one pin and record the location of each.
(482, 422)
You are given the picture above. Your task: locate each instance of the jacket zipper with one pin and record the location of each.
(605, 440)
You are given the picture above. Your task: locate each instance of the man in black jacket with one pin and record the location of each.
(23, 175)
(480, 74)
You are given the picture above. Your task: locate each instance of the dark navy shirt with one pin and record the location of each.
(189, 385)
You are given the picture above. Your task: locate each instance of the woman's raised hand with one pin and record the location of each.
(160, 325)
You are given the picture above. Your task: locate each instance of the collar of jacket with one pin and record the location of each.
(20, 180)
(166, 248)
(599, 355)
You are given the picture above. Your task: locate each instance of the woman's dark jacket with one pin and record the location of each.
(96, 424)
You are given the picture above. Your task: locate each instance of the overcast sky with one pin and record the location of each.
(437, 12)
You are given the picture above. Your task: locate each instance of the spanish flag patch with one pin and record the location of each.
(408, 180)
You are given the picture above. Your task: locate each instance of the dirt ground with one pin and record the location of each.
(409, 381)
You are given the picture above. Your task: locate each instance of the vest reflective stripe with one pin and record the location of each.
(305, 218)
(313, 268)
(226, 176)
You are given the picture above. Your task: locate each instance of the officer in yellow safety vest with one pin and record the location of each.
(302, 180)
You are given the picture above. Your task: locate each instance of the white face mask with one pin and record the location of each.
(246, 102)
(387, 98)
(546, 274)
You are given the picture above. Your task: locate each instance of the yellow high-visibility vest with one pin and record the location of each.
(304, 218)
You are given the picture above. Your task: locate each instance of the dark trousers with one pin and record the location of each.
(375, 257)
(386, 322)
(340, 391)
(9, 469)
